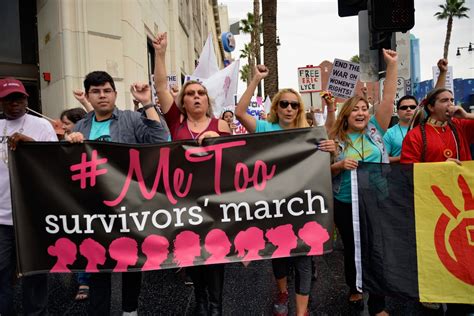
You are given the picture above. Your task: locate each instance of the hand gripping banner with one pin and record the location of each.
(97, 206)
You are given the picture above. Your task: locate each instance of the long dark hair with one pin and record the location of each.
(422, 115)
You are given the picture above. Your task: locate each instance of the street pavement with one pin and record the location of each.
(247, 291)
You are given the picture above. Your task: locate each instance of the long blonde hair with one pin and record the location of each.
(181, 94)
(300, 120)
(339, 131)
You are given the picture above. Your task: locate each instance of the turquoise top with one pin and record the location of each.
(361, 149)
(100, 130)
(265, 126)
(393, 139)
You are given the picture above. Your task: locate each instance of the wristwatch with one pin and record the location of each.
(147, 106)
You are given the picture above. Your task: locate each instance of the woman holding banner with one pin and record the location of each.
(286, 112)
(191, 117)
(360, 138)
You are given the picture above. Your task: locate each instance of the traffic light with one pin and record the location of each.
(391, 15)
(350, 7)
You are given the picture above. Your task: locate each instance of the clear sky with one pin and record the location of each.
(312, 31)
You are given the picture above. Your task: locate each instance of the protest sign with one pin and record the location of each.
(343, 79)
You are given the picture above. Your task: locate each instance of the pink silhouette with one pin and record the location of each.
(283, 238)
(251, 240)
(218, 245)
(155, 248)
(186, 248)
(66, 251)
(125, 251)
(94, 253)
(314, 235)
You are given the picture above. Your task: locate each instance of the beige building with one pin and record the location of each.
(75, 37)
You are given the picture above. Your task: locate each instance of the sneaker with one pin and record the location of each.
(280, 307)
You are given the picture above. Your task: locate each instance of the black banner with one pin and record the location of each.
(115, 207)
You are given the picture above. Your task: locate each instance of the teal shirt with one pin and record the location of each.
(265, 126)
(370, 153)
(393, 139)
(100, 130)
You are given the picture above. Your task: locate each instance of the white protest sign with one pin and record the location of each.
(449, 78)
(343, 78)
(172, 80)
(309, 79)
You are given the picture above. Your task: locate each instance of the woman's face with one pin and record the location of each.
(68, 126)
(228, 117)
(287, 109)
(359, 117)
(195, 99)
(443, 106)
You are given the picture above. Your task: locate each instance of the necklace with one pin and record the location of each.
(401, 131)
(4, 140)
(436, 122)
(447, 152)
(360, 153)
(195, 125)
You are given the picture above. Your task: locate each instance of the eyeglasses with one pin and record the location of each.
(284, 104)
(99, 91)
(406, 107)
(191, 93)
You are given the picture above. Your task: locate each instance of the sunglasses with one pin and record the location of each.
(405, 107)
(284, 104)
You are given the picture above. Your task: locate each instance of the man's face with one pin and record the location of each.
(406, 109)
(102, 98)
(14, 105)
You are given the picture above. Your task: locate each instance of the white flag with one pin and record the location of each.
(267, 104)
(222, 86)
(207, 61)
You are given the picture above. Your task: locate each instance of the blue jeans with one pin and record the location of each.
(35, 287)
(83, 278)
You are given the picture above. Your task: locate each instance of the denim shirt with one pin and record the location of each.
(128, 127)
(375, 136)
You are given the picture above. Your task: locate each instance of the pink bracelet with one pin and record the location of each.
(331, 110)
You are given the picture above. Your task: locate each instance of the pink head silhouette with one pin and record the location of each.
(125, 251)
(155, 248)
(314, 235)
(65, 251)
(218, 245)
(94, 253)
(251, 240)
(186, 248)
(283, 238)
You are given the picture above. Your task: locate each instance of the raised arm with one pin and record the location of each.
(81, 97)
(384, 111)
(247, 120)
(161, 82)
(142, 92)
(443, 71)
(331, 110)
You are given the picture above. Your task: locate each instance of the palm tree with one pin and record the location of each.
(246, 53)
(245, 73)
(355, 59)
(247, 28)
(452, 8)
(269, 12)
(256, 30)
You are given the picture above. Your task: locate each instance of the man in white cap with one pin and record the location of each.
(17, 126)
